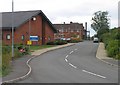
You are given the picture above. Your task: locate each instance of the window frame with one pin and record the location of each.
(23, 37)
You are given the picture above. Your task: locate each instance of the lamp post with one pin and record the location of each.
(29, 31)
(12, 29)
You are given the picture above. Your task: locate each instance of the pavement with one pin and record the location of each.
(21, 68)
(102, 55)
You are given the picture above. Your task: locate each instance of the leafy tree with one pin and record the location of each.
(100, 22)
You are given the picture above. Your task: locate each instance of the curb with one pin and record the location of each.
(108, 62)
(104, 60)
(22, 77)
(30, 69)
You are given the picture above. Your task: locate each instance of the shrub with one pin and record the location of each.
(27, 50)
(6, 59)
(7, 56)
(74, 41)
(111, 41)
(19, 47)
(17, 54)
(51, 43)
(57, 42)
(106, 38)
(117, 56)
(60, 42)
(113, 48)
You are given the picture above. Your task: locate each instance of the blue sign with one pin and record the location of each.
(34, 38)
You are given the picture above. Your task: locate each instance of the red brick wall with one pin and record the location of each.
(5, 41)
(35, 30)
(48, 33)
(69, 34)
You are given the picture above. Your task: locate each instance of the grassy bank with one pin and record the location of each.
(112, 43)
(7, 55)
(6, 59)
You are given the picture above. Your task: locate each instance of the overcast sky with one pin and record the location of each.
(59, 11)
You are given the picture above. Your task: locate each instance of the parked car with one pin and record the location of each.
(95, 40)
(63, 39)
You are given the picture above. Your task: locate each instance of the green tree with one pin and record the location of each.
(100, 23)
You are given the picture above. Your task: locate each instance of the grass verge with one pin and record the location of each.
(33, 48)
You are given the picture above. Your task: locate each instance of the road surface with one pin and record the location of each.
(74, 64)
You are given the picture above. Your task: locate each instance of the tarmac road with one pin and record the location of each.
(74, 64)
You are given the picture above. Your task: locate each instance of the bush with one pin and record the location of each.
(50, 43)
(117, 56)
(75, 41)
(60, 42)
(57, 42)
(111, 41)
(19, 47)
(17, 54)
(6, 59)
(7, 56)
(27, 50)
(113, 48)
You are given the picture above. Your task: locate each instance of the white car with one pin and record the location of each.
(68, 39)
(63, 39)
(95, 40)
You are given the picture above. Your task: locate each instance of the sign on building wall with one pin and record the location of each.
(29, 42)
(34, 38)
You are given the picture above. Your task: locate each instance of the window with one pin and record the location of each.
(8, 36)
(62, 30)
(59, 30)
(23, 37)
(78, 31)
(66, 30)
(49, 38)
(71, 30)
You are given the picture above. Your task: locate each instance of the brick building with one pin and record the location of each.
(26, 24)
(68, 31)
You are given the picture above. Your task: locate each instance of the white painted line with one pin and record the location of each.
(66, 60)
(66, 56)
(71, 52)
(93, 74)
(76, 49)
(72, 65)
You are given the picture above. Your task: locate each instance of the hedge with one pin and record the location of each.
(113, 48)
(112, 43)
(57, 42)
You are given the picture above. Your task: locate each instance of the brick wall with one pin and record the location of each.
(31, 27)
(49, 34)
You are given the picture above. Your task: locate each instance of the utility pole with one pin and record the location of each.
(85, 30)
(12, 29)
(29, 30)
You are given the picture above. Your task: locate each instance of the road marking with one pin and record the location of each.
(66, 56)
(72, 65)
(66, 60)
(93, 74)
(75, 49)
(71, 52)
